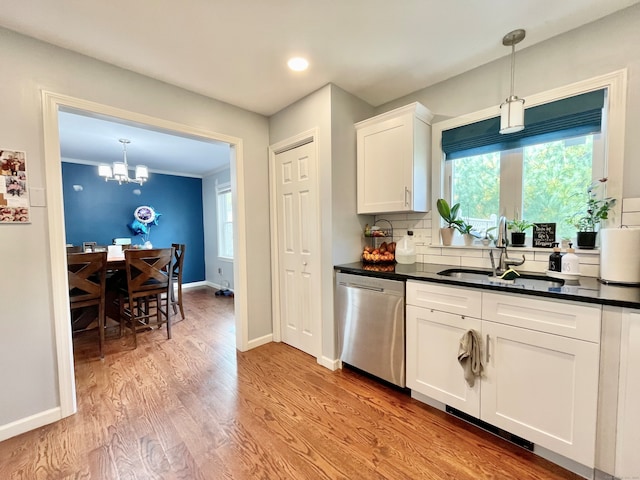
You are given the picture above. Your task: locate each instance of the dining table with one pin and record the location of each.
(115, 275)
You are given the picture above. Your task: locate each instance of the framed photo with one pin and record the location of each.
(14, 191)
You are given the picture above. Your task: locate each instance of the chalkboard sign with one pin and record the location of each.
(544, 235)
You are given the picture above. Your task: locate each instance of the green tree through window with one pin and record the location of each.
(553, 175)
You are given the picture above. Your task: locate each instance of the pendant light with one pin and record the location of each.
(512, 110)
(119, 172)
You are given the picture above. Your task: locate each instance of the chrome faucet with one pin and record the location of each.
(504, 262)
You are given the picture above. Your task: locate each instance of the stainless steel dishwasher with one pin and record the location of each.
(371, 325)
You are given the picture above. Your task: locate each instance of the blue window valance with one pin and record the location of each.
(569, 117)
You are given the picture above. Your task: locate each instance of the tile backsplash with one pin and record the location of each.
(429, 250)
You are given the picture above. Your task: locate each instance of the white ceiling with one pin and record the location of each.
(236, 50)
(94, 139)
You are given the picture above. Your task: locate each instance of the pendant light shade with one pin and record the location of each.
(119, 171)
(512, 110)
(512, 115)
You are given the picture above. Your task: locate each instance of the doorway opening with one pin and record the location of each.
(53, 104)
(183, 172)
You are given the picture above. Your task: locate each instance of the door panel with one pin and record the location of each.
(433, 342)
(542, 387)
(298, 253)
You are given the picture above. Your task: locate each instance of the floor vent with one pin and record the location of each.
(521, 442)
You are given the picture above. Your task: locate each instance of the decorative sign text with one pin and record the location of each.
(544, 234)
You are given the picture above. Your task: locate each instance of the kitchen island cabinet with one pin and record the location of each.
(393, 151)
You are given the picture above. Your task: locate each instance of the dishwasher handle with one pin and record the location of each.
(365, 287)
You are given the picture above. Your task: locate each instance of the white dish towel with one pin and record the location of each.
(470, 356)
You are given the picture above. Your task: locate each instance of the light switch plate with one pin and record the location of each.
(37, 197)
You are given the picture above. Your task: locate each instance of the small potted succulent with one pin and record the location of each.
(450, 217)
(488, 237)
(586, 221)
(518, 231)
(467, 232)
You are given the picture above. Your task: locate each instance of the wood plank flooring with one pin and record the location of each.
(195, 408)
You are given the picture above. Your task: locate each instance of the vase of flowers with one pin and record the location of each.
(586, 221)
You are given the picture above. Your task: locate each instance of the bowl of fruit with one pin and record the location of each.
(385, 253)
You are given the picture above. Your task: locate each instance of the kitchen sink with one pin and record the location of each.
(524, 280)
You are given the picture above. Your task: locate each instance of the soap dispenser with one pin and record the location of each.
(570, 262)
(555, 259)
(406, 250)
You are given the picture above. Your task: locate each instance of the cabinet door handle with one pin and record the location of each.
(407, 195)
(486, 351)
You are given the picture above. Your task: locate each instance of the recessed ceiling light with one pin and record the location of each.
(298, 64)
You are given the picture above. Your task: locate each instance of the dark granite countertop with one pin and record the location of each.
(585, 289)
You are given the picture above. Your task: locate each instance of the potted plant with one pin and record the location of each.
(586, 221)
(488, 237)
(518, 231)
(466, 230)
(450, 217)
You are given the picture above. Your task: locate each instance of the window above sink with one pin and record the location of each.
(508, 182)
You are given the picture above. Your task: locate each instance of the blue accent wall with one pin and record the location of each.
(101, 211)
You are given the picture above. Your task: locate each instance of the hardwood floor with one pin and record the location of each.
(194, 408)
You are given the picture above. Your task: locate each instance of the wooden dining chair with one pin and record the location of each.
(178, 249)
(87, 280)
(88, 246)
(145, 302)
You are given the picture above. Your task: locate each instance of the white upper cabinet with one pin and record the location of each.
(394, 161)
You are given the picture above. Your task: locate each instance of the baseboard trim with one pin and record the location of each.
(257, 342)
(30, 423)
(186, 286)
(332, 365)
(208, 284)
(600, 475)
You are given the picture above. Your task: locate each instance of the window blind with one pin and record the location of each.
(568, 117)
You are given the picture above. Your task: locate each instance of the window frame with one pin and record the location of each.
(612, 135)
(223, 189)
(512, 175)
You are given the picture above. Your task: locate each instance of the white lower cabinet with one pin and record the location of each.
(432, 357)
(537, 384)
(628, 432)
(542, 387)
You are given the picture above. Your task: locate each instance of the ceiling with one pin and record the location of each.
(94, 139)
(236, 50)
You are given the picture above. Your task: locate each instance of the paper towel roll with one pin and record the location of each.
(620, 255)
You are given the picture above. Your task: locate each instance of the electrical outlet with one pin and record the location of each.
(219, 270)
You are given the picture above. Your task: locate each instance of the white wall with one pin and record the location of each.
(210, 212)
(26, 313)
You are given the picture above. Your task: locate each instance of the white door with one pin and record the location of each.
(298, 253)
(433, 341)
(542, 387)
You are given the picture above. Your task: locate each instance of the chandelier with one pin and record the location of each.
(512, 110)
(119, 171)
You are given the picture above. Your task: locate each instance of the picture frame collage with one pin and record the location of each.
(14, 191)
